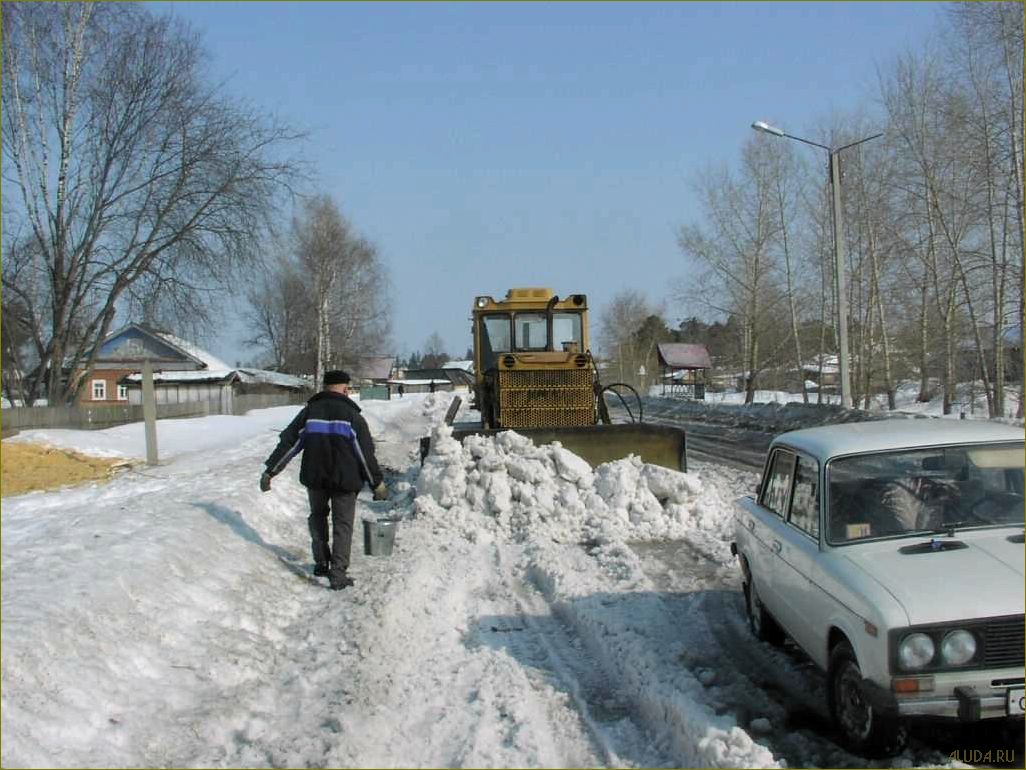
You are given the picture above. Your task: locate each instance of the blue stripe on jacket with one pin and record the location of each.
(294, 450)
(342, 428)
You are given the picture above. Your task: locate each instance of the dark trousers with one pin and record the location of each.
(343, 511)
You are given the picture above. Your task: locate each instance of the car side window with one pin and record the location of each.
(777, 487)
(805, 500)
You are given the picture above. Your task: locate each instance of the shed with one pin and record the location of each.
(683, 367)
(221, 385)
(371, 370)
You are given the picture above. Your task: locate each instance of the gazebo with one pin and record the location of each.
(683, 367)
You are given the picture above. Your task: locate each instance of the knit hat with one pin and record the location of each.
(336, 377)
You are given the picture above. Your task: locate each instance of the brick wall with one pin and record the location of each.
(109, 378)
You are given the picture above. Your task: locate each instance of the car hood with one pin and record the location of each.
(983, 580)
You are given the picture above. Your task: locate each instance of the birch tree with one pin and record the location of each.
(733, 248)
(618, 332)
(128, 171)
(324, 303)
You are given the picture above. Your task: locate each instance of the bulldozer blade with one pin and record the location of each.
(656, 444)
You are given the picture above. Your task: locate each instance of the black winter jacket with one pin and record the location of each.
(338, 452)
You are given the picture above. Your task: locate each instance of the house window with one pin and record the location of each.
(99, 390)
(122, 392)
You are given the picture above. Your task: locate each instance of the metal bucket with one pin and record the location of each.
(379, 536)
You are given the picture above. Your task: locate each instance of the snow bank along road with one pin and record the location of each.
(535, 613)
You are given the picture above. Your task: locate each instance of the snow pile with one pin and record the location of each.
(525, 490)
(398, 424)
(545, 497)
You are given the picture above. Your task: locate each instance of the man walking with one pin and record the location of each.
(338, 456)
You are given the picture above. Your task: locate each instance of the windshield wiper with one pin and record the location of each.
(948, 527)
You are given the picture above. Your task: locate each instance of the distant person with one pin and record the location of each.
(401, 390)
(338, 457)
(431, 386)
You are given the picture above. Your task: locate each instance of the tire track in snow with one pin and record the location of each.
(779, 690)
(635, 641)
(554, 650)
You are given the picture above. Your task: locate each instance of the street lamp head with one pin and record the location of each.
(761, 125)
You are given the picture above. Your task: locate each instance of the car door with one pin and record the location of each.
(768, 527)
(802, 602)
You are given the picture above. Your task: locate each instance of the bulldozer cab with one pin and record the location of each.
(532, 365)
(534, 373)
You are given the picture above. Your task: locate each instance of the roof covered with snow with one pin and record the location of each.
(683, 355)
(137, 342)
(267, 377)
(467, 366)
(208, 359)
(248, 376)
(196, 375)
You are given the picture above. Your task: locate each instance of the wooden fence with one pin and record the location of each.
(97, 417)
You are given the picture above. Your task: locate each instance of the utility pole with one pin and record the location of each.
(839, 271)
(842, 283)
(149, 399)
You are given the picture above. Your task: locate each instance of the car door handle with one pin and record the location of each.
(777, 546)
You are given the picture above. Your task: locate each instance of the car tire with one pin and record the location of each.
(864, 730)
(762, 624)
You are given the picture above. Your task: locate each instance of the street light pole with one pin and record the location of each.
(842, 283)
(839, 271)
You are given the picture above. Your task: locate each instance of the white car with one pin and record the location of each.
(891, 552)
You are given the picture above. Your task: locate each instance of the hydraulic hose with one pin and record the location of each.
(610, 386)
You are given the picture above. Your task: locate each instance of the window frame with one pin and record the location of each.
(575, 318)
(764, 485)
(103, 389)
(817, 474)
(122, 392)
(517, 346)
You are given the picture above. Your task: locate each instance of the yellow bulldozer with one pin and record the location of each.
(534, 373)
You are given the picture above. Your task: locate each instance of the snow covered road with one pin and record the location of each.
(535, 613)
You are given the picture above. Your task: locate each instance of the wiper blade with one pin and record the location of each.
(948, 527)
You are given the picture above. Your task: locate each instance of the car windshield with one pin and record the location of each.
(894, 494)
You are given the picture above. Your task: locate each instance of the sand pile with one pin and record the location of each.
(29, 467)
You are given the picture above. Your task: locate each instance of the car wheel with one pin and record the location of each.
(863, 729)
(762, 624)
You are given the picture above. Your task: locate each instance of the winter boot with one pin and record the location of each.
(338, 582)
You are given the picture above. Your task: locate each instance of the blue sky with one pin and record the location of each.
(488, 145)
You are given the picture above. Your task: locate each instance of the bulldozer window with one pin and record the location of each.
(532, 333)
(495, 338)
(566, 331)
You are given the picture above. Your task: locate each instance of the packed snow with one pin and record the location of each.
(535, 612)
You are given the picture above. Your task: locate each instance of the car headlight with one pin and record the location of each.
(958, 647)
(915, 652)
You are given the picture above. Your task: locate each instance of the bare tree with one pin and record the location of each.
(619, 325)
(324, 299)
(133, 177)
(276, 311)
(989, 38)
(786, 194)
(735, 250)
(434, 352)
